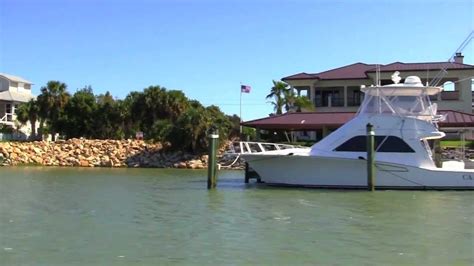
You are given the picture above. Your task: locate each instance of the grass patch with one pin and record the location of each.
(456, 144)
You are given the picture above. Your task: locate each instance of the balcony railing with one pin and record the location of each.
(446, 96)
(450, 95)
(337, 101)
(353, 102)
(6, 118)
(329, 102)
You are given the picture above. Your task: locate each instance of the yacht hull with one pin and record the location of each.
(333, 172)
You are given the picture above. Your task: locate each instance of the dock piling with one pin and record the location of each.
(212, 159)
(370, 157)
(247, 174)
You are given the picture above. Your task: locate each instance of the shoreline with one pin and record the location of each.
(99, 153)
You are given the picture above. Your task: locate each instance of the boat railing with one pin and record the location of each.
(239, 147)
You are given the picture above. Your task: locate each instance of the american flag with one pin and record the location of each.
(245, 88)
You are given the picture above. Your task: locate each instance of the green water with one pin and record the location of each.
(71, 216)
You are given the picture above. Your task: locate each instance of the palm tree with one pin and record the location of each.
(175, 103)
(191, 128)
(277, 93)
(51, 101)
(278, 105)
(28, 112)
(148, 106)
(285, 97)
(303, 102)
(289, 99)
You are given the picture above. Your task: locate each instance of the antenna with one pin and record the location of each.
(377, 75)
(437, 79)
(427, 77)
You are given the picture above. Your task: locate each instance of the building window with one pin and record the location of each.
(13, 84)
(354, 96)
(9, 112)
(329, 97)
(303, 91)
(382, 144)
(448, 85)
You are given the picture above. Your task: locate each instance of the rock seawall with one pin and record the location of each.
(97, 153)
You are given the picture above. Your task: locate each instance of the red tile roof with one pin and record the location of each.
(313, 120)
(360, 70)
(399, 66)
(301, 75)
(354, 71)
(303, 120)
(457, 119)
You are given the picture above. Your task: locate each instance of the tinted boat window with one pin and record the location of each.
(236, 147)
(393, 144)
(254, 147)
(390, 144)
(269, 147)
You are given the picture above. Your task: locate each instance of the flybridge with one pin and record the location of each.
(409, 99)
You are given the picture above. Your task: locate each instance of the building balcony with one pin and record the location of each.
(450, 95)
(446, 96)
(329, 102)
(354, 102)
(7, 119)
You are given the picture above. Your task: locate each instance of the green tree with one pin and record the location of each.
(220, 121)
(278, 93)
(148, 106)
(288, 98)
(174, 104)
(235, 126)
(108, 118)
(28, 112)
(284, 97)
(79, 114)
(51, 101)
(131, 112)
(161, 130)
(303, 103)
(190, 130)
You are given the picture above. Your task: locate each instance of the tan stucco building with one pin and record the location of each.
(338, 90)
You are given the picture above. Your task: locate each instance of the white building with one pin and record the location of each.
(13, 91)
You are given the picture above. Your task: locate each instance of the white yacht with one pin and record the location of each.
(404, 121)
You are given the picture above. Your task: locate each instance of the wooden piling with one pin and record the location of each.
(212, 159)
(247, 174)
(370, 157)
(437, 153)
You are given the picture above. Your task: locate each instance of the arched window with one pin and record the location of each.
(448, 86)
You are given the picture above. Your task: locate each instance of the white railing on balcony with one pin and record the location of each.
(7, 119)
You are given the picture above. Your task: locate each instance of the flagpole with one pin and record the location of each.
(240, 115)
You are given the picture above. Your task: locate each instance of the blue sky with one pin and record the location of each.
(207, 48)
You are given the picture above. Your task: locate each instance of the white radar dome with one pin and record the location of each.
(413, 80)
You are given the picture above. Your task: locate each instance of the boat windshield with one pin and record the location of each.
(380, 101)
